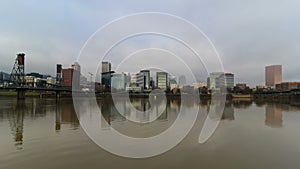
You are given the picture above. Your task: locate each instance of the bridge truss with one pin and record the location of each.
(17, 76)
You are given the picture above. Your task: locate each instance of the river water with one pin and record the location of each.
(46, 134)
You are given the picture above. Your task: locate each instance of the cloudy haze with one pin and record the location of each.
(247, 34)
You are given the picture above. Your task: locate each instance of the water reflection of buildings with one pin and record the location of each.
(274, 112)
(216, 111)
(273, 115)
(138, 109)
(128, 121)
(65, 114)
(228, 113)
(243, 103)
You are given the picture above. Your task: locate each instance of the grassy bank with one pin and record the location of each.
(8, 93)
(14, 93)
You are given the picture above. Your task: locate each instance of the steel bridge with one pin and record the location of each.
(18, 83)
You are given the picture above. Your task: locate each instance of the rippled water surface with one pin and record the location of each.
(45, 133)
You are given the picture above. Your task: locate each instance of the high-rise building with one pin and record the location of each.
(140, 79)
(273, 75)
(213, 81)
(143, 79)
(70, 77)
(67, 75)
(229, 80)
(76, 66)
(106, 74)
(58, 74)
(218, 80)
(106, 78)
(4, 76)
(133, 78)
(225, 80)
(106, 67)
(173, 82)
(162, 80)
(118, 82)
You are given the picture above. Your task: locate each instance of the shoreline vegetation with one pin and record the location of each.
(230, 96)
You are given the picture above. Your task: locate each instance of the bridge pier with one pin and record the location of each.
(20, 94)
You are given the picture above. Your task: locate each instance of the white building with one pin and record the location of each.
(133, 78)
(51, 80)
(219, 80)
(213, 82)
(199, 85)
(162, 80)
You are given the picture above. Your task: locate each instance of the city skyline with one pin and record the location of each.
(106, 69)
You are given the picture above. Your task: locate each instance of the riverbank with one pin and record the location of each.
(271, 97)
(14, 94)
(34, 94)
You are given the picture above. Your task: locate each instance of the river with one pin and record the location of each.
(46, 134)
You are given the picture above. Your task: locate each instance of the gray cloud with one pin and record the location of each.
(247, 34)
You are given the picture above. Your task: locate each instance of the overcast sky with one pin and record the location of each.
(247, 34)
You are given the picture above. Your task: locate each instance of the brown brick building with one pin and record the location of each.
(284, 86)
(68, 76)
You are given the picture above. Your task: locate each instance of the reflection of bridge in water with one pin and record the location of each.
(18, 111)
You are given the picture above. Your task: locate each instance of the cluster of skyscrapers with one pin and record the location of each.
(135, 82)
(273, 81)
(68, 77)
(142, 81)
